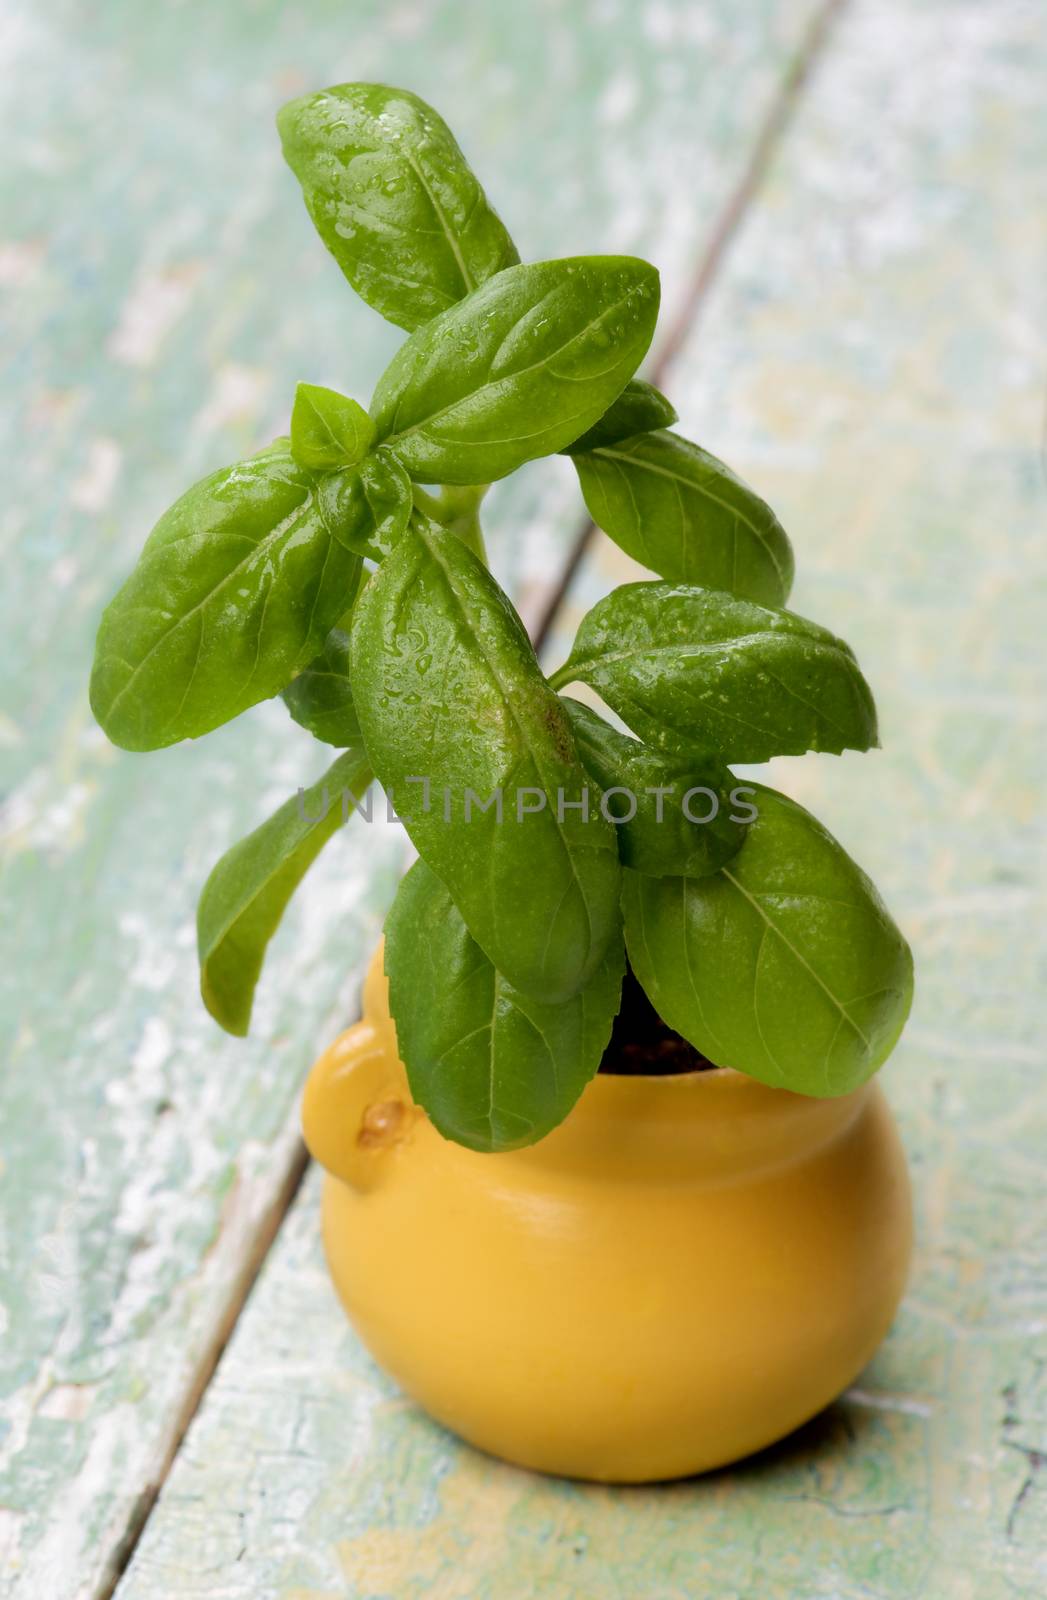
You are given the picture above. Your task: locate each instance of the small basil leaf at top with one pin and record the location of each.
(639, 408)
(695, 670)
(393, 198)
(477, 753)
(494, 1069)
(678, 814)
(248, 890)
(368, 506)
(320, 699)
(235, 590)
(681, 512)
(786, 964)
(518, 369)
(328, 429)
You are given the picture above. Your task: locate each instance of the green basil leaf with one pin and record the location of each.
(663, 801)
(518, 369)
(248, 890)
(681, 512)
(320, 699)
(638, 409)
(369, 507)
(694, 669)
(393, 199)
(785, 965)
(495, 1069)
(235, 590)
(328, 429)
(448, 690)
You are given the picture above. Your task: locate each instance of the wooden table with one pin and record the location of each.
(849, 209)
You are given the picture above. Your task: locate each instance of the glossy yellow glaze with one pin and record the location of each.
(682, 1272)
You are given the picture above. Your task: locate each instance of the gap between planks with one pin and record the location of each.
(769, 135)
(244, 1281)
(772, 130)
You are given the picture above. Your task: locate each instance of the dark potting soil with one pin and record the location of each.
(642, 1043)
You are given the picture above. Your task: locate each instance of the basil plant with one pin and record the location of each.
(343, 569)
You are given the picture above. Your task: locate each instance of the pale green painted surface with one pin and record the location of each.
(162, 291)
(872, 358)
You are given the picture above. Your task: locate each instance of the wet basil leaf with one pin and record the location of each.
(495, 1069)
(681, 512)
(328, 429)
(639, 408)
(393, 198)
(247, 893)
(448, 690)
(320, 699)
(659, 796)
(695, 670)
(785, 965)
(369, 506)
(235, 590)
(518, 369)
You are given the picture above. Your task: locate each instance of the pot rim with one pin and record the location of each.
(728, 1128)
(713, 1124)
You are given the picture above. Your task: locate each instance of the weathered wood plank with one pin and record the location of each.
(869, 361)
(162, 293)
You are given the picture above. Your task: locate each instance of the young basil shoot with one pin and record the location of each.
(343, 569)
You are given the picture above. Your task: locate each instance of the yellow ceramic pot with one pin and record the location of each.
(682, 1272)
